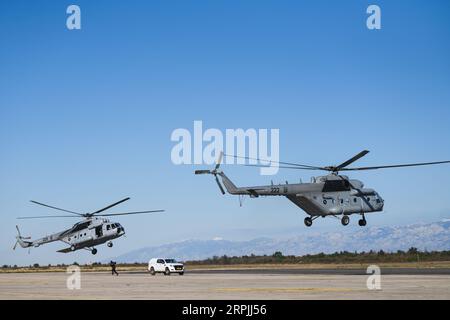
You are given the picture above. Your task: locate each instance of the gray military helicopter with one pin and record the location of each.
(86, 234)
(329, 195)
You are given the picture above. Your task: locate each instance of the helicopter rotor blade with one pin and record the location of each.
(395, 166)
(278, 162)
(110, 206)
(39, 217)
(282, 167)
(48, 206)
(351, 160)
(127, 213)
(15, 245)
(202, 171)
(220, 186)
(219, 161)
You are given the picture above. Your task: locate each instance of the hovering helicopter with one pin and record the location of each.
(329, 195)
(86, 234)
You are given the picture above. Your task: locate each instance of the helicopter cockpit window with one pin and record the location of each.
(336, 186)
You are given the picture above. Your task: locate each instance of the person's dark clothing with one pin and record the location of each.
(113, 268)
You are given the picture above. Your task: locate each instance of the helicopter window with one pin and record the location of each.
(378, 201)
(355, 200)
(324, 201)
(108, 227)
(342, 201)
(336, 185)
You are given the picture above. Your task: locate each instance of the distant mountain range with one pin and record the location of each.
(430, 236)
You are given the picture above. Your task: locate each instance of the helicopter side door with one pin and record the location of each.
(99, 231)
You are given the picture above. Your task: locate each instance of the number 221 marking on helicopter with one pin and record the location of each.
(86, 234)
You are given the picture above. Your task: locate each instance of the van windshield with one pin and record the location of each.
(171, 261)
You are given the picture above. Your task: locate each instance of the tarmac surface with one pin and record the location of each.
(229, 284)
(304, 271)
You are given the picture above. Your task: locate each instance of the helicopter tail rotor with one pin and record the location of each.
(20, 240)
(214, 172)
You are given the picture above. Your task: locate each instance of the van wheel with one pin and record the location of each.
(152, 271)
(167, 272)
(181, 273)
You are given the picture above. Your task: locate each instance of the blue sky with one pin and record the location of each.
(86, 115)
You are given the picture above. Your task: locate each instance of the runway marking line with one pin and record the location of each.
(285, 289)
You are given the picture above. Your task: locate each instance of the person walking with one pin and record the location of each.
(113, 268)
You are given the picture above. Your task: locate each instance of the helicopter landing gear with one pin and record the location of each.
(94, 251)
(109, 244)
(362, 222)
(345, 220)
(308, 221)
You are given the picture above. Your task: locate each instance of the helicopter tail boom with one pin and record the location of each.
(229, 185)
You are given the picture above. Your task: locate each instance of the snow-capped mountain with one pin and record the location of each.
(430, 236)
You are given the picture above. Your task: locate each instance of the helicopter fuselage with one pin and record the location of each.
(85, 234)
(325, 195)
(329, 195)
(93, 230)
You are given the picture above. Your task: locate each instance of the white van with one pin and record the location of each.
(166, 266)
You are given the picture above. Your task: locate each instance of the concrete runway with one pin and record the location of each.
(304, 271)
(219, 285)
